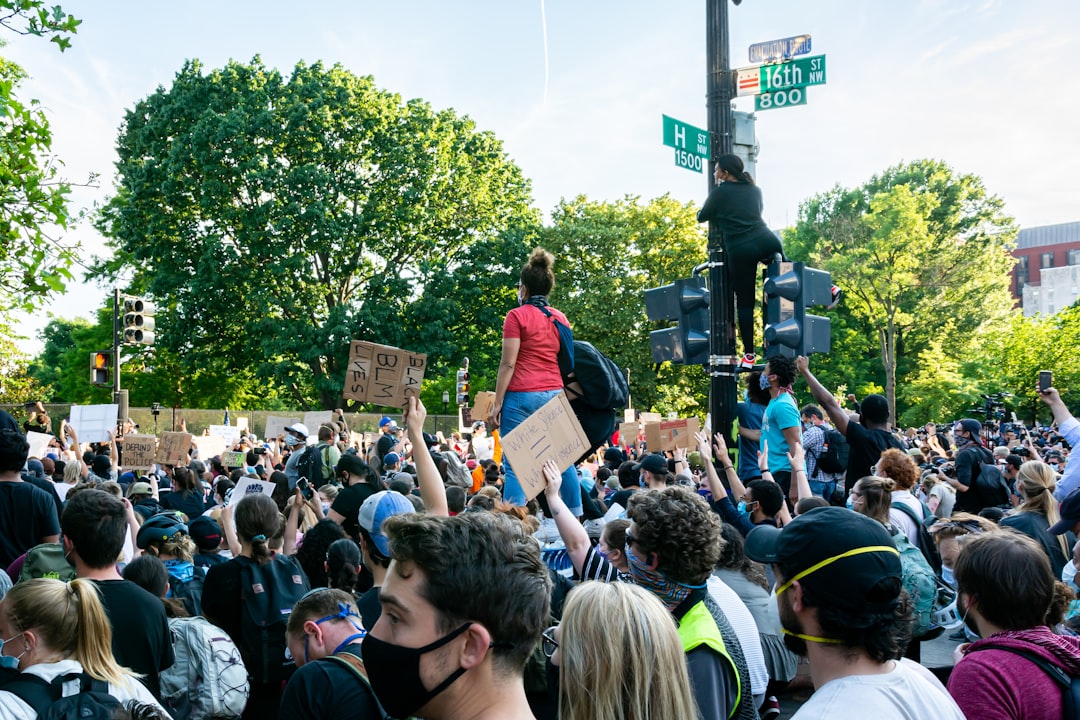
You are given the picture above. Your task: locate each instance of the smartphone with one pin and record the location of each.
(1046, 380)
(305, 488)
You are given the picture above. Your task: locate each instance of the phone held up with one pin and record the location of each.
(1046, 380)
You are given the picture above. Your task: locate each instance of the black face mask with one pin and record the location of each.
(394, 673)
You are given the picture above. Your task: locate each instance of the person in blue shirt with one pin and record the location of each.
(781, 427)
(750, 413)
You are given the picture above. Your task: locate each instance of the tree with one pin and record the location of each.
(922, 255)
(606, 255)
(276, 219)
(35, 261)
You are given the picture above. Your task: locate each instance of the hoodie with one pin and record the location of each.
(995, 684)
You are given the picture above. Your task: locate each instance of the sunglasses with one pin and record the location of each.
(548, 641)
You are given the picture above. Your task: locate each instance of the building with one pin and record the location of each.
(1046, 277)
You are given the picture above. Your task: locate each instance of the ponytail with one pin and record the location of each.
(93, 648)
(747, 178)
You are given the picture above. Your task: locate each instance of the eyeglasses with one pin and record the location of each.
(548, 641)
(630, 539)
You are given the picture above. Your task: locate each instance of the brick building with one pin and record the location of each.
(1046, 277)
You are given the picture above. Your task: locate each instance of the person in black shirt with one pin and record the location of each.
(27, 513)
(735, 205)
(359, 482)
(186, 495)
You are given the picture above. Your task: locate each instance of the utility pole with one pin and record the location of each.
(722, 359)
(120, 397)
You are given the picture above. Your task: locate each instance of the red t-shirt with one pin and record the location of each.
(537, 366)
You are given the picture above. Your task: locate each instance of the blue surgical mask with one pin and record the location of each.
(850, 502)
(10, 661)
(763, 381)
(744, 511)
(947, 576)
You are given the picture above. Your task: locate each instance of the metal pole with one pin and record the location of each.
(116, 345)
(722, 360)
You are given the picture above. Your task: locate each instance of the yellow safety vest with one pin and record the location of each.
(697, 627)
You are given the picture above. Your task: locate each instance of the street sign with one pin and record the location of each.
(793, 74)
(779, 49)
(685, 137)
(780, 99)
(748, 80)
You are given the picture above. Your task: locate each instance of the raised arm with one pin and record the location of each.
(823, 397)
(432, 491)
(573, 535)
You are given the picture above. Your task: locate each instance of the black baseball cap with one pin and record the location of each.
(653, 463)
(836, 553)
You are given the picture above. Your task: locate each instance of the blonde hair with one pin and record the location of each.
(1037, 481)
(877, 497)
(179, 546)
(73, 472)
(614, 637)
(69, 618)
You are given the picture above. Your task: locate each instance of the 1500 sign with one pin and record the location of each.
(684, 159)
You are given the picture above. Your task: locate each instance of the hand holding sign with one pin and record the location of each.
(553, 476)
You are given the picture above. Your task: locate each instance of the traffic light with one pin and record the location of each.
(138, 321)
(686, 301)
(790, 288)
(462, 387)
(100, 365)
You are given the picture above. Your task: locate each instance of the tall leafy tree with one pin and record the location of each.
(922, 254)
(276, 218)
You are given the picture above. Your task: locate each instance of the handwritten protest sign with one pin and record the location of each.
(39, 443)
(629, 414)
(314, 419)
(356, 439)
(551, 433)
(173, 448)
(628, 432)
(276, 425)
(650, 417)
(208, 446)
(93, 422)
(140, 451)
(670, 434)
(483, 405)
(229, 433)
(250, 486)
(232, 459)
(382, 375)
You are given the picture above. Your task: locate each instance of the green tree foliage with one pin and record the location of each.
(606, 255)
(275, 219)
(35, 262)
(922, 254)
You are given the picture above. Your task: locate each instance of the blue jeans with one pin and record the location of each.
(823, 489)
(516, 407)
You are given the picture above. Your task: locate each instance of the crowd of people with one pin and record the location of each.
(415, 577)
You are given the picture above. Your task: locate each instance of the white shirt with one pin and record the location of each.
(901, 520)
(13, 708)
(483, 448)
(907, 692)
(742, 622)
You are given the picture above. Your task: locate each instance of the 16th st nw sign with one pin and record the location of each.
(758, 79)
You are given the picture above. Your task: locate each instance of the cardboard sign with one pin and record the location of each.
(482, 407)
(232, 459)
(465, 419)
(551, 433)
(316, 418)
(670, 434)
(629, 415)
(382, 375)
(241, 424)
(229, 433)
(39, 443)
(276, 425)
(93, 422)
(628, 432)
(173, 448)
(208, 446)
(356, 439)
(140, 451)
(251, 486)
(651, 417)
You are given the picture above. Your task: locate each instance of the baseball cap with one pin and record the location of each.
(101, 466)
(374, 512)
(298, 428)
(972, 426)
(391, 459)
(837, 554)
(387, 421)
(205, 532)
(141, 488)
(1070, 514)
(653, 463)
(160, 528)
(614, 455)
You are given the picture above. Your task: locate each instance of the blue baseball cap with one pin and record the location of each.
(374, 512)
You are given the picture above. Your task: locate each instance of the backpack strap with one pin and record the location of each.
(1056, 673)
(35, 691)
(356, 665)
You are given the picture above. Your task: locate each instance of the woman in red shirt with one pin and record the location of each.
(529, 373)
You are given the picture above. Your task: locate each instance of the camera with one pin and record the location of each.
(259, 451)
(305, 488)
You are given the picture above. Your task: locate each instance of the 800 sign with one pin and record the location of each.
(780, 99)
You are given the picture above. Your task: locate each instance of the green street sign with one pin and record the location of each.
(684, 159)
(685, 137)
(780, 99)
(793, 74)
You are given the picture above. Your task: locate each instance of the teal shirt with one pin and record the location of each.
(781, 413)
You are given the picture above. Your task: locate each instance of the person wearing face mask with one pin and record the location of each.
(51, 629)
(464, 603)
(529, 372)
(295, 440)
(842, 606)
(324, 635)
(359, 482)
(1006, 589)
(978, 482)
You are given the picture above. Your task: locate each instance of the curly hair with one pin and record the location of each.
(898, 466)
(784, 370)
(884, 635)
(677, 524)
(312, 553)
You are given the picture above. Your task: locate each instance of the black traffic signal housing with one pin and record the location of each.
(101, 368)
(138, 321)
(790, 289)
(686, 301)
(462, 387)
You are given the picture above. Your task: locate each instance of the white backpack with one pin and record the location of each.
(208, 679)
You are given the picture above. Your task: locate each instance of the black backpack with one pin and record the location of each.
(310, 466)
(268, 593)
(92, 702)
(189, 591)
(1070, 686)
(990, 485)
(922, 536)
(834, 454)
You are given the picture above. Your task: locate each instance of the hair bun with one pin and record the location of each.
(541, 258)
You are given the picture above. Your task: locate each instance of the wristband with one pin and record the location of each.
(728, 466)
(801, 470)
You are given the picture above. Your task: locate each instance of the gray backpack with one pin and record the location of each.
(208, 679)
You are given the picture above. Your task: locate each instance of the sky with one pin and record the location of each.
(576, 89)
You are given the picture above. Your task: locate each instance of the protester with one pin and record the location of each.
(529, 374)
(619, 657)
(375, 546)
(905, 510)
(1006, 588)
(750, 414)
(842, 606)
(359, 482)
(1035, 484)
(974, 469)
(27, 513)
(1069, 427)
(186, 495)
(735, 206)
(470, 592)
(822, 483)
(781, 429)
(52, 629)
